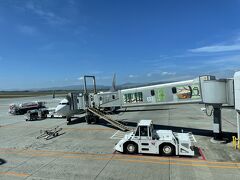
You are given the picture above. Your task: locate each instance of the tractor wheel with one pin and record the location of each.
(167, 149)
(131, 148)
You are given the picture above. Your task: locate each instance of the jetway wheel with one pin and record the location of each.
(95, 119)
(88, 119)
(69, 120)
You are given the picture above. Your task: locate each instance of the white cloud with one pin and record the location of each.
(149, 74)
(168, 73)
(49, 16)
(163, 73)
(25, 29)
(132, 76)
(225, 60)
(216, 48)
(158, 72)
(80, 78)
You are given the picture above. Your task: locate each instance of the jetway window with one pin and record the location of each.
(113, 96)
(139, 97)
(152, 93)
(91, 98)
(64, 103)
(133, 97)
(174, 90)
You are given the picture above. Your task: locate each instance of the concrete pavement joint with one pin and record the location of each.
(42, 167)
(104, 166)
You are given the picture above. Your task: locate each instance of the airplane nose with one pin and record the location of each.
(58, 109)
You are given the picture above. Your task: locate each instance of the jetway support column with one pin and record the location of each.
(217, 122)
(89, 115)
(238, 124)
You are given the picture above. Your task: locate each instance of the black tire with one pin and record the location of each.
(69, 119)
(95, 119)
(88, 119)
(131, 148)
(167, 149)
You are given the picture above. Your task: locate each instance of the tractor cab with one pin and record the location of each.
(145, 130)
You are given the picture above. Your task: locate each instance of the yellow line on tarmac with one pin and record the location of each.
(15, 174)
(166, 161)
(91, 129)
(180, 164)
(153, 159)
(179, 159)
(156, 162)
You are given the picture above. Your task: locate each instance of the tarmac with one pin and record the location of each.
(85, 151)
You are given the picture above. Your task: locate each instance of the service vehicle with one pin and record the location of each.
(23, 108)
(146, 140)
(36, 114)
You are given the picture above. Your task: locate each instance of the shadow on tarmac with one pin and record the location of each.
(40, 119)
(139, 110)
(2, 161)
(201, 132)
(77, 120)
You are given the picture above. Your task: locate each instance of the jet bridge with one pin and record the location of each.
(217, 93)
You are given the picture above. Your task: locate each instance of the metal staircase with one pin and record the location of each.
(113, 122)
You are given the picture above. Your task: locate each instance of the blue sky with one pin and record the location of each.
(47, 43)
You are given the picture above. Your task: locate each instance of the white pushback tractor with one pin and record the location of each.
(146, 140)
